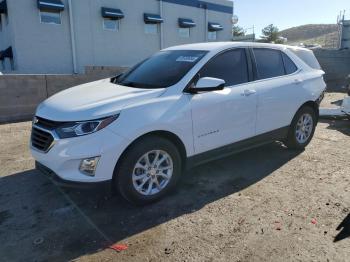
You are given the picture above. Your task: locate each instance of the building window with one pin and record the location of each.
(3, 13)
(151, 23)
(151, 29)
(212, 35)
(111, 18)
(3, 21)
(50, 17)
(184, 32)
(213, 28)
(185, 25)
(110, 24)
(7, 55)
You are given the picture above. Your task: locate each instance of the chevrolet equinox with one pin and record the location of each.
(181, 107)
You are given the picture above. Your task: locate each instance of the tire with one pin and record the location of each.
(128, 176)
(297, 140)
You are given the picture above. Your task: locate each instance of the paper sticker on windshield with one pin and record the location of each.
(187, 59)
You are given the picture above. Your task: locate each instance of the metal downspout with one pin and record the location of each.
(161, 25)
(72, 36)
(233, 14)
(206, 24)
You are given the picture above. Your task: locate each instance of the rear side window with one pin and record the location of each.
(289, 64)
(269, 63)
(230, 66)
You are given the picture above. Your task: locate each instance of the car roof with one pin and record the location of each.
(219, 46)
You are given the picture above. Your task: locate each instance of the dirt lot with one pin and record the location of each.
(267, 204)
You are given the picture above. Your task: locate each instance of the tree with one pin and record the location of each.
(271, 34)
(238, 31)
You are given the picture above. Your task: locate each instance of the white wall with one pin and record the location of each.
(44, 49)
(39, 48)
(5, 41)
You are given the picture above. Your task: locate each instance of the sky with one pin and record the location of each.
(288, 13)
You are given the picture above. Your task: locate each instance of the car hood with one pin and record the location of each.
(92, 101)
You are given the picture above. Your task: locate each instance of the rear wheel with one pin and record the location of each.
(149, 170)
(302, 128)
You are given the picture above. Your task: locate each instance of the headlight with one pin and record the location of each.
(74, 129)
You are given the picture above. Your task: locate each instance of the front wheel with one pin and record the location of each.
(302, 128)
(149, 169)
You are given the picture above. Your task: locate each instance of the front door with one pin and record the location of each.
(223, 117)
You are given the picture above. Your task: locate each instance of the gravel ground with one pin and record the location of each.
(266, 204)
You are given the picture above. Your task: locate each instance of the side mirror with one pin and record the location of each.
(207, 84)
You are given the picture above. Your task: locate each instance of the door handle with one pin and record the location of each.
(298, 81)
(248, 92)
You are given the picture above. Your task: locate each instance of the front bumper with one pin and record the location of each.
(65, 183)
(64, 158)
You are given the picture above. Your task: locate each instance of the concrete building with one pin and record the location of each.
(66, 36)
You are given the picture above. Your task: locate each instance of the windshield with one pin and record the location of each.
(161, 70)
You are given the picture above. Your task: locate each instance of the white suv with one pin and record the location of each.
(183, 106)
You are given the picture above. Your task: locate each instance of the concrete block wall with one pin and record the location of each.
(21, 94)
(336, 64)
(57, 83)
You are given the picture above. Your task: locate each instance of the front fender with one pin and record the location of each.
(171, 114)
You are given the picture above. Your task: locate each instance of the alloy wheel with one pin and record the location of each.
(304, 128)
(152, 172)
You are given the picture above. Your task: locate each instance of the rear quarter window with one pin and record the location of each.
(289, 65)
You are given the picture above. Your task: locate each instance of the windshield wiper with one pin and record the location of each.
(114, 79)
(128, 84)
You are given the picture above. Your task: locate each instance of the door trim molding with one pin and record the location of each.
(237, 147)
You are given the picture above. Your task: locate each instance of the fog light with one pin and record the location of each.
(88, 166)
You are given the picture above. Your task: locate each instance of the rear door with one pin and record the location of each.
(227, 116)
(277, 86)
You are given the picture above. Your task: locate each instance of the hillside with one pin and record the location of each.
(325, 35)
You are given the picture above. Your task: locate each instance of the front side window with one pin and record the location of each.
(230, 66)
(162, 70)
(212, 35)
(269, 63)
(49, 17)
(151, 29)
(184, 32)
(110, 24)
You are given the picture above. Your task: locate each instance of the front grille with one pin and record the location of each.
(47, 124)
(41, 140)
